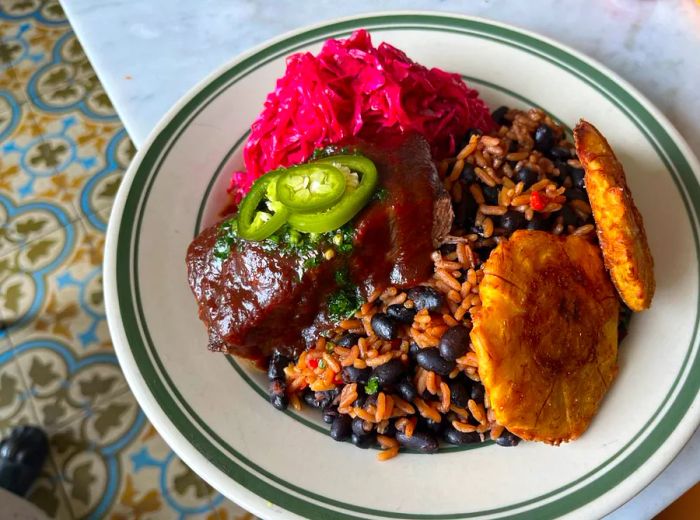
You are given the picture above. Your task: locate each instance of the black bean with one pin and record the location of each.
(544, 138)
(389, 430)
(568, 215)
(389, 373)
(353, 374)
(507, 439)
(319, 399)
(578, 177)
(499, 115)
(425, 298)
(384, 326)
(278, 396)
(427, 396)
(348, 340)
(490, 194)
(430, 359)
(446, 249)
(470, 133)
(278, 362)
(539, 223)
(330, 413)
(370, 400)
(460, 392)
(419, 441)
(576, 194)
(477, 392)
(431, 426)
(526, 176)
(361, 396)
(484, 252)
(310, 399)
(358, 426)
(362, 441)
(341, 428)
(454, 436)
(401, 313)
(564, 169)
(560, 152)
(468, 174)
(454, 342)
(279, 401)
(465, 211)
(467, 137)
(413, 349)
(511, 221)
(407, 390)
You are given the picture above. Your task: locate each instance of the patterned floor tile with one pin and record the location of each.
(59, 332)
(48, 493)
(92, 456)
(29, 164)
(114, 465)
(15, 405)
(10, 113)
(27, 47)
(68, 83)
(25, 271)
(45, 11)
(182, 493)
(90, 177)
(22, 223)
(98, 220)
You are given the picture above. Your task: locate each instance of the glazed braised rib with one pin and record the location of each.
(259, 299)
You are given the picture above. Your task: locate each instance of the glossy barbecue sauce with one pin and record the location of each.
(279, 294)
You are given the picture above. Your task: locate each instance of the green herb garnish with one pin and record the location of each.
(343, 303)
(372, 386)
(228, 235)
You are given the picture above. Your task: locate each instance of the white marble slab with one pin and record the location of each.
(150, 52)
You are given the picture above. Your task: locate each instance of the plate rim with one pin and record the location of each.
(166, 427)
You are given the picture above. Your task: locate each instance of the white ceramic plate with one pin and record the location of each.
(212, 410)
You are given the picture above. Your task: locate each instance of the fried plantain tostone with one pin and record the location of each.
(546, 334)
(619, 225)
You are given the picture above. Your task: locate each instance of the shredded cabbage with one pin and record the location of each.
(352, 88)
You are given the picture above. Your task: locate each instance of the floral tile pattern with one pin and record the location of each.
(63, 152)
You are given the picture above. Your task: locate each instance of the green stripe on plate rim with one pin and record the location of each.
(237, 366)
(301, 501)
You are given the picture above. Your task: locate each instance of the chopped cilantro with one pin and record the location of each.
(343, 303)
(321, 363)
(372, 386)
(228, 235)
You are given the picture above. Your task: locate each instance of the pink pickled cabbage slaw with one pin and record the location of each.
(355, 89)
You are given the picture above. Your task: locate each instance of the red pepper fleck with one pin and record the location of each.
(338, 380)
(313, 363)
(538, 201)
